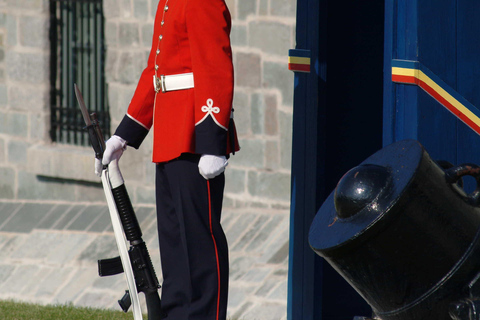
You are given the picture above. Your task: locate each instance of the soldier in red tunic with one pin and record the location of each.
(185, 93)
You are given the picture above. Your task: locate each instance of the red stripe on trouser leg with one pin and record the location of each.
(215, 245)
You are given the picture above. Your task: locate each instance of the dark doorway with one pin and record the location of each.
(353, 86)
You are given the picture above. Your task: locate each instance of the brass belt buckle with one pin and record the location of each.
(162, 81)
(159, 83)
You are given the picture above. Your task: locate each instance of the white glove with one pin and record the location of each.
(211, 166)
(114, 148)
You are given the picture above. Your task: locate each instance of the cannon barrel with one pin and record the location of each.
(403, 233)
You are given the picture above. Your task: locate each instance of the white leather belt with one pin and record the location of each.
(173, 82)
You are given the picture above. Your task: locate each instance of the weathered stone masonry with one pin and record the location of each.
(42, 182)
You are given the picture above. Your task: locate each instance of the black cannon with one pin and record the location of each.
(403, 232)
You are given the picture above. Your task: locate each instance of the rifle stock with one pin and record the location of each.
(141, 264)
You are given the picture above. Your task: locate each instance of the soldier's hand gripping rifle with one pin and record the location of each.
(135, 262)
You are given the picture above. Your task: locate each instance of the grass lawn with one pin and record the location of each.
(24, 311)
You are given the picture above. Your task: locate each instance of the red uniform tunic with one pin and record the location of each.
(190, 36)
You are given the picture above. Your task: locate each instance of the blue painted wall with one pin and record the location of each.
(443, 36)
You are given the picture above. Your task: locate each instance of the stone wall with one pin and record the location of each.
(35, 170)
(32, 167)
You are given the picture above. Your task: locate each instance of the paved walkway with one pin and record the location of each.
(48, 254)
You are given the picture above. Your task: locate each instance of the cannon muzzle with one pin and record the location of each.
(403, 233)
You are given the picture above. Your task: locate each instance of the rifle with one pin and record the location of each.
(134, 262)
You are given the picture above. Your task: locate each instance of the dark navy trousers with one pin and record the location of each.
(193, 246)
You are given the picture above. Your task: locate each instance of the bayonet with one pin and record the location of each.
(92, 125)
(82, 105)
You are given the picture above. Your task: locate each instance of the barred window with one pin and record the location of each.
(77, 56)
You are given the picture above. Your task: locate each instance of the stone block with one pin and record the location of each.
(31, 186)
(68, 217)
(18, 279)
(2, 151)
(150, 167)
(272, 153)
(247, 70)
(28, 98)
(240, 227)
(130, 67)
(30, 5)
(237, 314)
(39, 124)
(82, 279)
(276, 243)
(17, 152)
(147, 35)
(271, 116)
(140, 9)
(63, 162)
(7, 210)
(90, 192)
(39, 244)
(126, 8)
(111, 9)
(239, 266)
(70, 246)
(276, 75)
(7, 183)
(270, 185)
(266, 311)
(27, 67)
(111, 36)
(145, 195)
(53, 282)
(15, 124)
(53, 216)
(263, 237)
(238, 35)
(33, 31)
(128, 35)
(102, 247)
(11, 246)
(235, 180)
(2, 55)
(27, 217)
(87, 217)
(285, 122)
(5, 271)
(263, 8)
(231, 7)
(101, 223)
(242, 113)
(11, 26)
(280, 292)
(132, 166)
(280, 255)
(252, 154)
(3, 21)
(256, 275)
(284, 8)
(145, 216)
(271, 37)
(246, 8)
(266, 287)
(258, 113)
(237, 295)
(250, 233)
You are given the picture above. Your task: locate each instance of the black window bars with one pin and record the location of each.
(77, 56)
